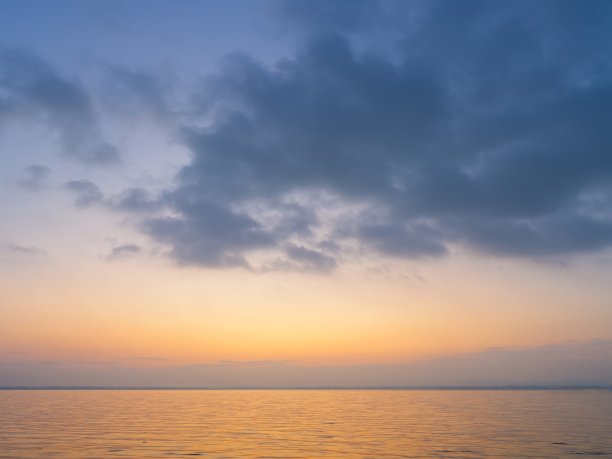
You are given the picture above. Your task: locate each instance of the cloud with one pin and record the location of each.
(135, 200)
(124, 251)
(310, 260)
(86, 193)
(296, 258)
(396, 240)
(153, 359)
(541, 237)
(140, 95)
(23, 254)
(473, 124)
(32, 91)
(257, 362)
(208, 234)
(35, 177)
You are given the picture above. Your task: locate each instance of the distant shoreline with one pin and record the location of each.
(318, 388)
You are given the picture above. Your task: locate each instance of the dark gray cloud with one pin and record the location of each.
(551, 235)
(483, 124)
(32, 91)
(34, 177)
(135, 200)
(124, 251)
(209, 234)
(86, 193)
(394, 239)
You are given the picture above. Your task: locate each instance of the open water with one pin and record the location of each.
(306, 424)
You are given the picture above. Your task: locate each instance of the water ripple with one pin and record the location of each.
(305, 424)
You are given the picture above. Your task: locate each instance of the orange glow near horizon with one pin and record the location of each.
(150, 315)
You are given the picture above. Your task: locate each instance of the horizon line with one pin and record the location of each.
(288, 388)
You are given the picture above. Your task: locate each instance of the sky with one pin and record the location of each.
(305, 193)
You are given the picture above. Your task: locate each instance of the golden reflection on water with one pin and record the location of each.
(305, 424)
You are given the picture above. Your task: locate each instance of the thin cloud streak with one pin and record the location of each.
(33, 91)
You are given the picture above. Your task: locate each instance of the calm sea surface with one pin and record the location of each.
(305, 424)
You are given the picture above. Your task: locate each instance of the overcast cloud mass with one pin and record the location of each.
(486, 126)
(399, 128)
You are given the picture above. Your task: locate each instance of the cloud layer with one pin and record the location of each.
(483, 125)
(402, 129)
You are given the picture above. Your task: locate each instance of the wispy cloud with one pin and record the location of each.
(33, 91)
(21, 253)
(34, 177)
(86, 193)
(257, 362)
(124, 251)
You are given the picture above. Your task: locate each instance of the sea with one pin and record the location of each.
(305, 423)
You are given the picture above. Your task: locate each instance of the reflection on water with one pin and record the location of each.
(310, 424)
